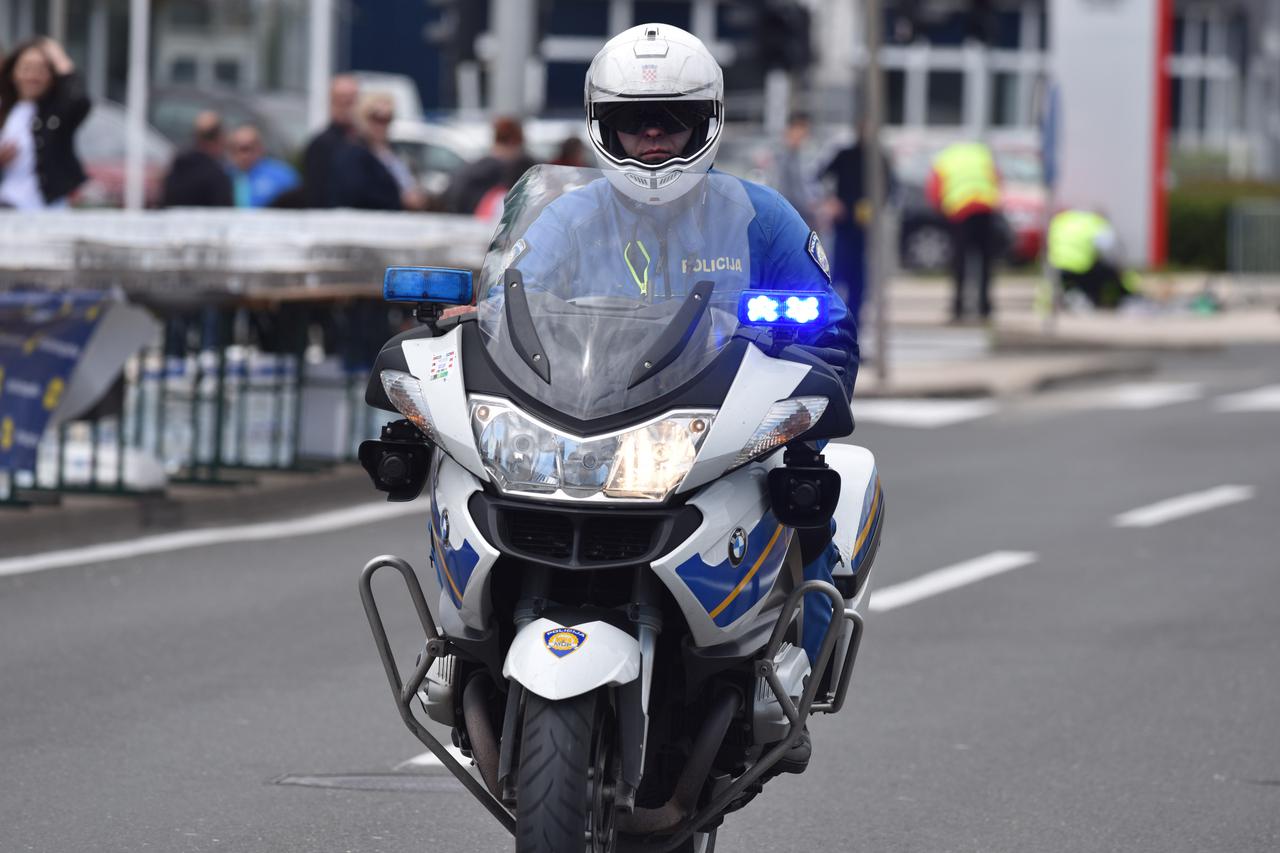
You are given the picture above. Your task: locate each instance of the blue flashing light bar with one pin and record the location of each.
(782, 308)
(427, 284)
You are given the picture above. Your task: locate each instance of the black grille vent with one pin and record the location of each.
(542, 533)
(606, 539)
(581, 537)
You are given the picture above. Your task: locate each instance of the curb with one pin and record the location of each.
(93, 519)
(1005, 376)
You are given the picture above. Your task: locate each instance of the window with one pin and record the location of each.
(182, 71)
(578, 18)
(657, 11)
(1006, 29)
(895, 94)
(945, 105)
(189, 14)
(1004, 99)
(226, 72)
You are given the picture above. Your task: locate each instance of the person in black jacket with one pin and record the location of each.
(197, 177)
(42, 103)
(323, 149)
(367, 174)
(477, 185)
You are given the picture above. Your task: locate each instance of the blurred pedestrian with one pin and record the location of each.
(367, 173)
(256, 179)
(197, 177)
(793, 172)
(965, 186)
(491, 176)
(322, 150)
(848, 208)
(1085, 253)
(572, 152)
(42, 103)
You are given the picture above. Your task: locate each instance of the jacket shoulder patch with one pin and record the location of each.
(819, 255)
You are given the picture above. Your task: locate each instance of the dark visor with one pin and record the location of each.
(667, 116)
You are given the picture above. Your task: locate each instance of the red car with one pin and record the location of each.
(100, 144)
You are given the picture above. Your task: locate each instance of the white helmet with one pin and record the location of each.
(655, 74)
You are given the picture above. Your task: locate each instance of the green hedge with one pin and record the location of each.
(1198, 221)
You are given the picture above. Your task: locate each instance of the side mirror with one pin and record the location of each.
(427, 284)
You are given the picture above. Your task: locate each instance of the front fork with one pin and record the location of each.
(633, 695)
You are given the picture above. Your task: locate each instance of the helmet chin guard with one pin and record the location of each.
(661, 65)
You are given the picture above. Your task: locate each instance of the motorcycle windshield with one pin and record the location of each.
(620, 301)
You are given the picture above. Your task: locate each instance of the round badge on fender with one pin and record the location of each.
(444, 526)
(737, 546)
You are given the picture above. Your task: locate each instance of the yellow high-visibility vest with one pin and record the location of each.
(1071, 240)
(967, 172)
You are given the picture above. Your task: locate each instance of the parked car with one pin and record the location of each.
(279, 116)
(401, 87)
(100, 142)
(433, 152)
(925, 236)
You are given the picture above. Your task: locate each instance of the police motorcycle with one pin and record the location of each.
(619, 449)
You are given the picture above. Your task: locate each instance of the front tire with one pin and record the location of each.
(565, 770)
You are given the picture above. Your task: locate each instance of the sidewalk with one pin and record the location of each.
(1020, 354)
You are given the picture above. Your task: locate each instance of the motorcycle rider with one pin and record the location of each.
(655, 112)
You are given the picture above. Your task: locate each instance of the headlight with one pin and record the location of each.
(406, 393)
(786, 420)
(644, 463)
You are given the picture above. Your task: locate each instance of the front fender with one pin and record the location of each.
(560, 662)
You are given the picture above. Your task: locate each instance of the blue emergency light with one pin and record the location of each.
(782, 308)
(427, 284)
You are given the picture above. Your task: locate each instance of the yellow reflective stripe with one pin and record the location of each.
(871, 518)
(747, 579)
(643, 284)
(968, 175)
(1071, 236)
(444, 566)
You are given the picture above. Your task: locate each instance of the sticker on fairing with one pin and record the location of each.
(563, 641)
(441, 364)
(819, 255)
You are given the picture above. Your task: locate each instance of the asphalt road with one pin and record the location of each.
(1118, 692)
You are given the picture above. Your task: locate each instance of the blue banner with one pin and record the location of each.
(42, 337)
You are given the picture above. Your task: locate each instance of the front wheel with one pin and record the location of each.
(566, 777)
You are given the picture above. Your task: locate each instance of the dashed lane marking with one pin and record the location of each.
(428, 759)
(949, 578)
(1183, 506)
(1146, 395)
(921, 414)
(1265, 399)
(324, 522)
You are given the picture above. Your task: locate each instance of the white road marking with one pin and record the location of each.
(1147, 395)
(1183, 506)
(325, 522)
(923, 414)
(428, 759)
(952, 577)
(1265, 399)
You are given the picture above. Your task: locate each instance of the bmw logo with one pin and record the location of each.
(737, 546)
(444, 526)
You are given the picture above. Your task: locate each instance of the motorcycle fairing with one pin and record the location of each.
(740, 414)
(437, 364)
(695, 571)
(728, 592)
(860, 512)
(598, 654)
(462, 559)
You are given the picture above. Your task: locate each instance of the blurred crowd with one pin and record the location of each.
(354, 162)
(350, 163)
